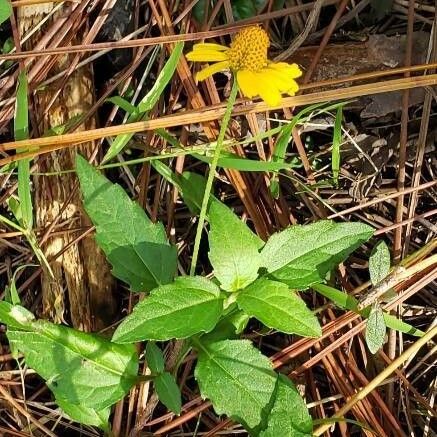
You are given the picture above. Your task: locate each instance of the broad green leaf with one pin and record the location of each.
(192, 189)
(375, 329)
(273, 304)
(5, 10)
(336, 142)
(149, 101)
(168, 392)
(21, 132)
(179, 310)
(302, 255)
(80, 368)
(237, 378)
(137, 248)
(379, 263)
(289, 416)
(86, 415)
(233, 248)
(154, 358)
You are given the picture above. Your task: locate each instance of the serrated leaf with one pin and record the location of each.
(379, 262)
(302, 255)
(80, 368)
(233, 248)
(86, 415)
(154, 358)
(137, 249)
(179, 310)
(168, 392)
(273, 304)
(237, 378)
(289, 416)
(5, 10)
(375, 329)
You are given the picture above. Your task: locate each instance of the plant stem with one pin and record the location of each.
(214, 162)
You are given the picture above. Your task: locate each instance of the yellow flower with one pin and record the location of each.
(247, 59)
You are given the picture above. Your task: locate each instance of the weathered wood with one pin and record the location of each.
(82, 276)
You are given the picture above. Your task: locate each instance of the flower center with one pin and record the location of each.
(249, 49)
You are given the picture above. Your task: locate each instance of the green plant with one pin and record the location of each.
(252, 279)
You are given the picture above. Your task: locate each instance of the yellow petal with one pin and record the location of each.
(212, 69)
(292, 71)
(247, 82)
(278, 79)
(293, 88)
(206, 55)
(210, 46)
(268, 89)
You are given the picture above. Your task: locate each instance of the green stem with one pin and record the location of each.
(214, 162)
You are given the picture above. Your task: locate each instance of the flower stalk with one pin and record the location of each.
(212, 168)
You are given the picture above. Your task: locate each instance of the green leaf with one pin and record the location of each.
(21, 132)
(5, 10)
(230, 326)
(164, 77)
(168, 392)
(193, 186)
(242, 9)
(379, 263)
(341, 299)
(235, 162)
(302, 255)
(375, 329)
(122, 103)
(336, 142)
(137, 248)
(289, 416)
(154, 358)
(277, 307)
(80, 368)
(86, 415)
(393, 322)
(179, 310)
(233, 248)
(15, 316)
(284, 137)
(344, 300)
(148, 102)
(237, 378)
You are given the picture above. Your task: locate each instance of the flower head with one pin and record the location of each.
(247, 59)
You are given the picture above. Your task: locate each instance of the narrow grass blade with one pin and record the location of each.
(147, 103)
(336, 142)
(21, 132)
